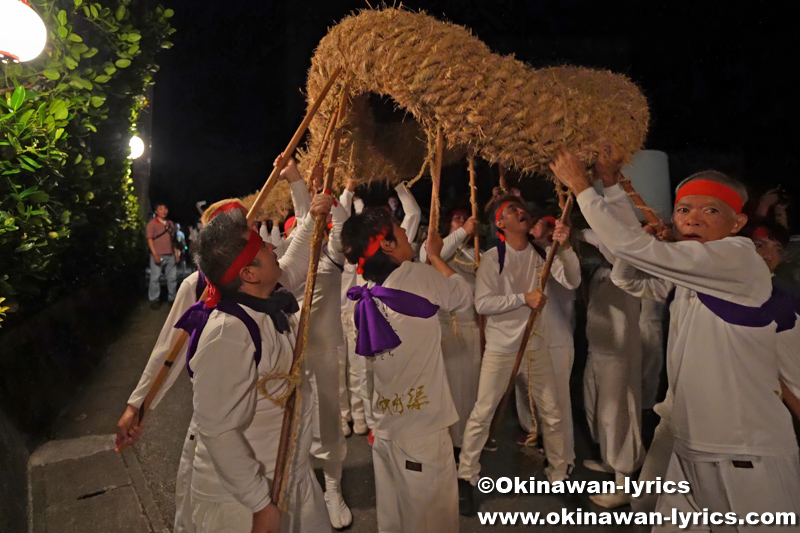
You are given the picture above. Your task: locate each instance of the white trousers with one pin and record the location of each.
(658, 455)
(461, 351)
(496, 371)
(352, 374)
(183, 483)
(561, 358)
(737, 484)
(306, 512)
(651, 330)
(416, 485)
(611, 390)
(328, 443)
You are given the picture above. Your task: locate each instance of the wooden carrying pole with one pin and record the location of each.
(323, 149)
(647, 211)
(298, 136)
(436, 176)
(288, 425)
(251, 216)
(545, 274)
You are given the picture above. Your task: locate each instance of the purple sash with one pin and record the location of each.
(195, 318)
(375, 334)
(780, 308)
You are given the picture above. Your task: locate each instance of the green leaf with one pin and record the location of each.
(168, 13)
(62, 17)
(78, 158)
(75, 38)
(58, 133)
(24, 247)
(62, 32)
(25, 117)
(71, 63)
(91, 53)
(166, 44)
(51, 74)
(78, 2)
(122, 63)
(120, 14)
(39, 197)
(58, 108)
(133, 49)
(17, 98)
(97, 101)
(80, 47)
(30, 161)
(99, 161)
(95, 12)
(134, 37)
(102, 78)
(109, 69)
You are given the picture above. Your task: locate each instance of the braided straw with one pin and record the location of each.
(443, 76)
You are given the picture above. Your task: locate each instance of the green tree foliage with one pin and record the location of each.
(68, 213)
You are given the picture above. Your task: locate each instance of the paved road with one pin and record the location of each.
(99, 405)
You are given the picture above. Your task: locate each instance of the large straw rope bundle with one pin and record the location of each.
(445, 77)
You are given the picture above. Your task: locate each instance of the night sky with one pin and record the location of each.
(717, 76)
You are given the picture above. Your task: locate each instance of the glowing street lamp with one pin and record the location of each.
(22, 32)
(137, 147)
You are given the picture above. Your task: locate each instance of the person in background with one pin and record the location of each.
(161, 238)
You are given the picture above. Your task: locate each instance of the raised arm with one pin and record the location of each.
(340, 216)
(727, 268)
(450, 247)
(640, 284)
(294, 262)
(413, 214)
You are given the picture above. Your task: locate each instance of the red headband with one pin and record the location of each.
(712, 188)
(245, 257)
(499, 214)
(230, 206)
(288, 224)
(372, 248)
(550, 220)
(761, 233)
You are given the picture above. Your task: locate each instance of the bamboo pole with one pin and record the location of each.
(436, 175)
(289, 423)
(648, 212)
(545, 274)
(323, 149)
(473, 199)
(292, 146)
(251, 215)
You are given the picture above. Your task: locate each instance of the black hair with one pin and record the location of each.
(356, 234)
(219, 244)
(159, 204)
(498, 203)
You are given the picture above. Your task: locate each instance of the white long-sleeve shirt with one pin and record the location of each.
(502, 296)
(411, 397)
(301, 200)
(724, 377)
(325, 327)
(238, 427)
(412, 215)
(184, 299)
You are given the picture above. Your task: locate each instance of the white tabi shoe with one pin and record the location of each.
(338, 511)
(346, 428)
(360, 426)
